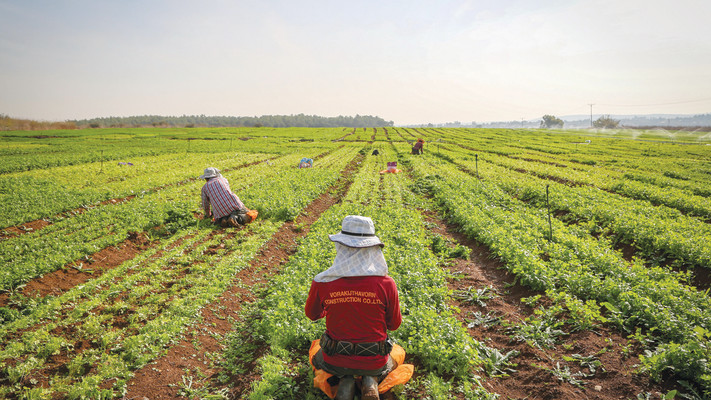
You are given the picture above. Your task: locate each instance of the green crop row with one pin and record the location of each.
(659, 231)
(430, 332)
(128, 316)
(23, 151)
(36, 194)
(665, 165)
(611, 181)
(653, 298)
(275, 189)
(131, 314)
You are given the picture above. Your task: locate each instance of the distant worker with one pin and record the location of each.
(306, 163)
(360, 303)
(392, 168)
(418, 147)
(218, 201)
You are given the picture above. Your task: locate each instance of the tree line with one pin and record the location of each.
(276, 121)
(8, 123)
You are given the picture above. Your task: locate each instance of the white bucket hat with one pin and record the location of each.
(358, 251)
(210, 173)
(357, 231)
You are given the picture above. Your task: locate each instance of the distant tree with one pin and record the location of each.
(550, 121)
(605, 122)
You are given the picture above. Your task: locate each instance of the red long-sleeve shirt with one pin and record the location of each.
(357, 309)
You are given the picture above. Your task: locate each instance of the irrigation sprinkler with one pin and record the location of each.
(102, 162)
(550, 225)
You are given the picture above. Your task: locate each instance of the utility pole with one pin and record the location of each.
(591, 124)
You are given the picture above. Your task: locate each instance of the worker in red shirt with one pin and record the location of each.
(418, 147)
(360, 302)
(218, 201)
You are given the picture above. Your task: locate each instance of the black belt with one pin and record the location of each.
(332, 347)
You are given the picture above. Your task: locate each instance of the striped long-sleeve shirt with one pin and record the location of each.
(216, 193)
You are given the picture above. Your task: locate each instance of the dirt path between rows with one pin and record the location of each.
(163, 378)
(58, 282)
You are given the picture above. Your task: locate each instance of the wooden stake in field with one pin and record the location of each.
(476, 163)
(550, 225)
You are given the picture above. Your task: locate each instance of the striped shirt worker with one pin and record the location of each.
(216, 193)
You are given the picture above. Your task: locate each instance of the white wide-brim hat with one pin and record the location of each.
(210, 173)
(357, 231)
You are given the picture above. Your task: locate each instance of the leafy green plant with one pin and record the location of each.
(592, 363)
(277, 378)
(496, 363)
(484, 320)
(478, 296)
(564, 374)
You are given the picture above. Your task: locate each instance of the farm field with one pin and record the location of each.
(531, 264)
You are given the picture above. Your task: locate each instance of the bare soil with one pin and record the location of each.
(57, 282)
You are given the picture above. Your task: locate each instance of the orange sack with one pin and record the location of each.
(252, 214)
(398, 376)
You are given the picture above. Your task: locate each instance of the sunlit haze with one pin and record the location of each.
(406, 61)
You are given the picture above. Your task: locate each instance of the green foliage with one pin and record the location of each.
(537, 332)
(279, 121)
(550, 121)
(591, 363)
(688, 360)
(7, 315)
(496, 363)
(564, 374)
(505, 213)
(478, 296)
(277, 378)
(442, 247)
(484, 320)
(647, 196)
(605, 122)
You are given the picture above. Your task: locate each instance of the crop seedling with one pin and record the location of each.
(478, 296)
(537, 332)
(564, 374)
(497, 363)
(484, 320)
(592, 363)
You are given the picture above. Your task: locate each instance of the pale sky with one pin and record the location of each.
(410, 62)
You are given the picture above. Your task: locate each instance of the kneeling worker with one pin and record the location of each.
(360, 302)
(418, 148)
(227, 208)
